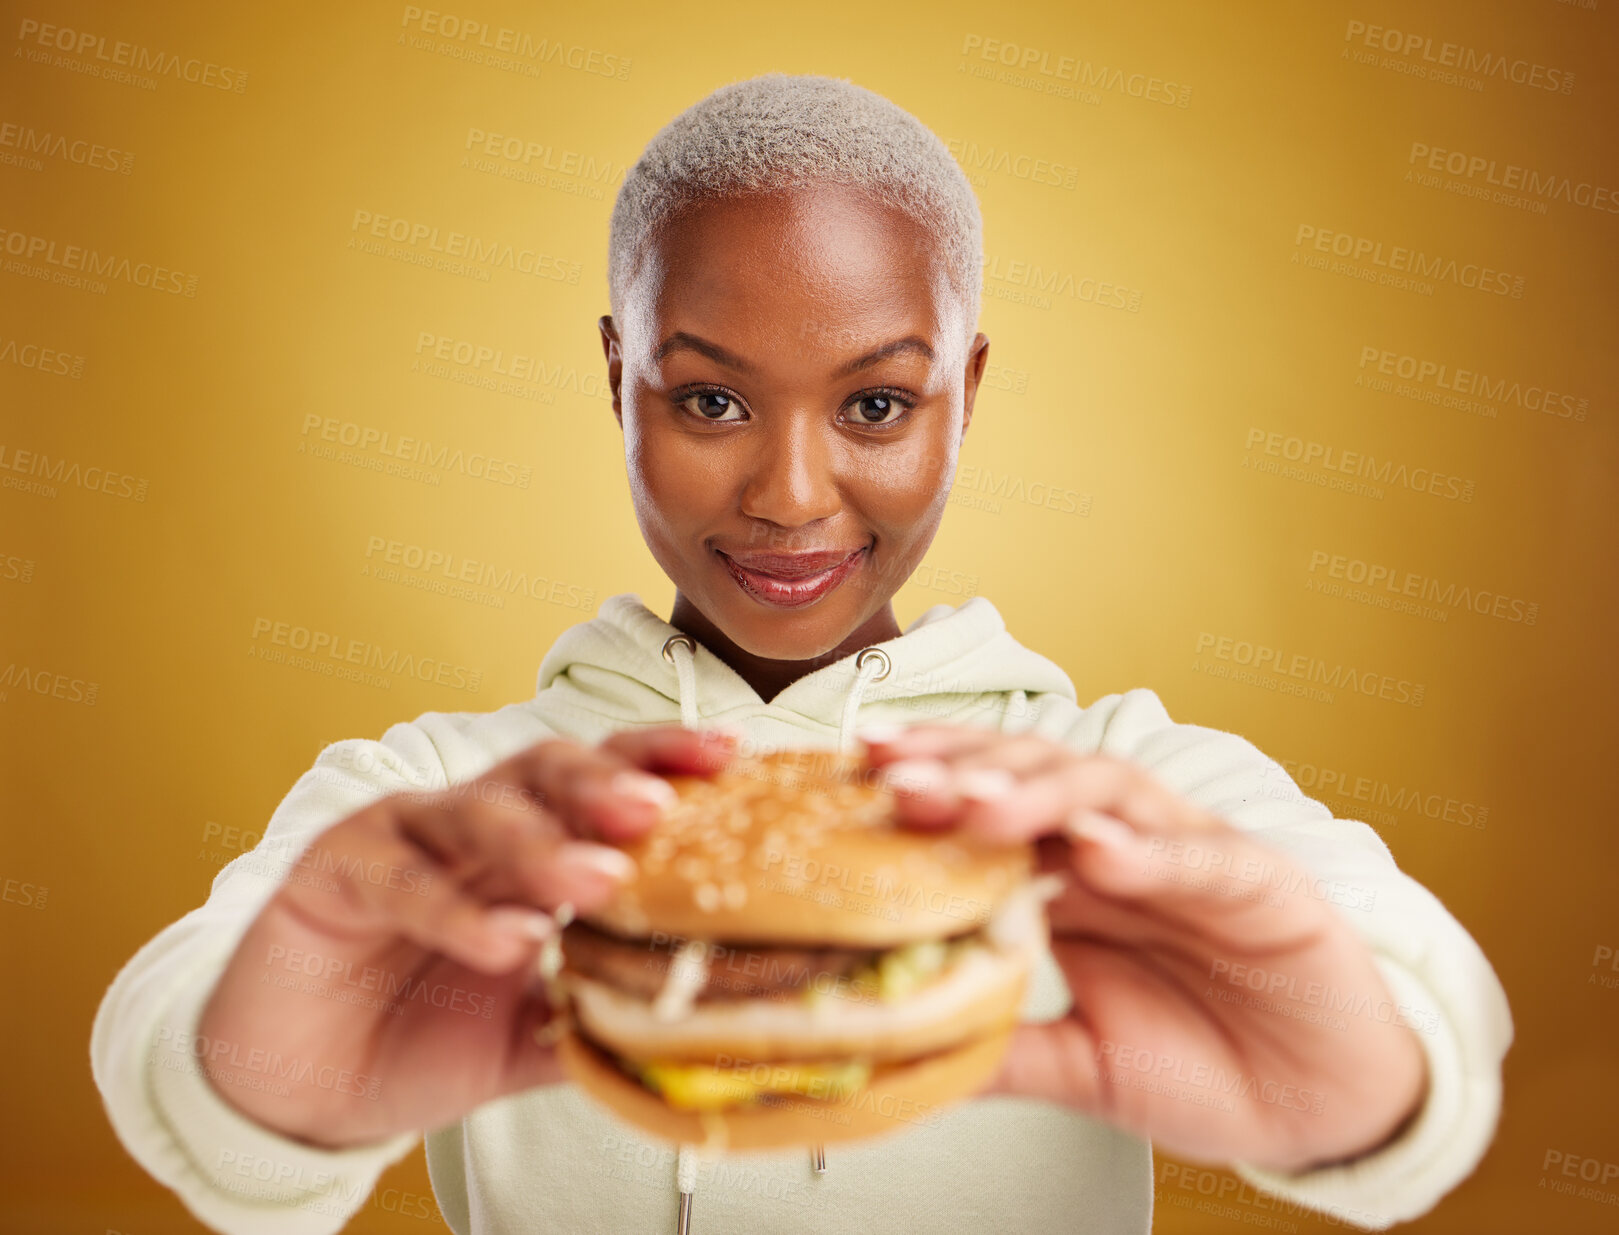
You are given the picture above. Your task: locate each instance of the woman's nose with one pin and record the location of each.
(793, 477)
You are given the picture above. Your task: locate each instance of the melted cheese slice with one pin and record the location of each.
(703, 1087)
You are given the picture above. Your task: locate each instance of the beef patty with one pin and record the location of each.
(735, 971)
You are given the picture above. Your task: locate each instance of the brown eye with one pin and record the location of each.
(878, 409)
(710, 404)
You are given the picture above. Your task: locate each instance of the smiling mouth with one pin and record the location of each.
(791, 593)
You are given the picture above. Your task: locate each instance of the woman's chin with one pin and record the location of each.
(786, 636)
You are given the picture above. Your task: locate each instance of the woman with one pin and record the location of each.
(792, 348)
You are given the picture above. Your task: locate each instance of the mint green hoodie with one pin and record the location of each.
(548, 1160)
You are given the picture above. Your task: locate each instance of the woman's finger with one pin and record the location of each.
(595, 791)
(933, 789)
(671, 749)
(376, 882)
(612, 791)
(887, 743)
(1053, 1062)
(1214, 880)
(1071, 785)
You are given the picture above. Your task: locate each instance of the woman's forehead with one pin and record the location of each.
(830, 268)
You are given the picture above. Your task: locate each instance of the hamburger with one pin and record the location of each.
(790, 967)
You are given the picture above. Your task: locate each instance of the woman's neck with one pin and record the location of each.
(769, 678)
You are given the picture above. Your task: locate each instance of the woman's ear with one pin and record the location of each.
(977, 356)
(615, 362)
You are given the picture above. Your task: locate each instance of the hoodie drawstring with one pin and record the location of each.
(686, 1182)
(686, 671)
(871, 664)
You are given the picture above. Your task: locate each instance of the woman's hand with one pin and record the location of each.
(389, 984)
(1222, 1007)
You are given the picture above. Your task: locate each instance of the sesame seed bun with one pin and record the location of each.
(800, 846)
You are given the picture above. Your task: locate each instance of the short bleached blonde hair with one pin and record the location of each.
(779, 131)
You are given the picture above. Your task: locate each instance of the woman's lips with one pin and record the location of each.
(792, 593)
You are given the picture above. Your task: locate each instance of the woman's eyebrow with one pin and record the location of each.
(682, 339)
(910, 343)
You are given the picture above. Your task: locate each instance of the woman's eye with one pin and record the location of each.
(878, 409)
(710, 404)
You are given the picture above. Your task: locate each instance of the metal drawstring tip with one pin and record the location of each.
(683, 1225)
(818, 1159)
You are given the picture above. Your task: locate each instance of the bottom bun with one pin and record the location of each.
(896, 1097)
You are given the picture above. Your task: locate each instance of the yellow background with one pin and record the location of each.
(1140, 417)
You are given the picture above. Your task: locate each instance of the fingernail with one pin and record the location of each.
(879, 733)
(1099, 829)
(519, 922)
(985, 784)
(646, 788)
(916, 775)
(611, 863)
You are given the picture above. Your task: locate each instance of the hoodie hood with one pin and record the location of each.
(628, 666)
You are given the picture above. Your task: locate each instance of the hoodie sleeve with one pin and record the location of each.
(232, 1173)
(1441, 982)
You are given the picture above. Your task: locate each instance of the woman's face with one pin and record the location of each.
(793, 377)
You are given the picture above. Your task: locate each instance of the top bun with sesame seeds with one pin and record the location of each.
(801, 847)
